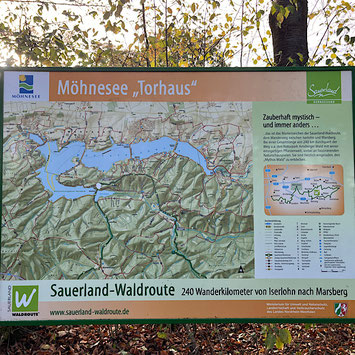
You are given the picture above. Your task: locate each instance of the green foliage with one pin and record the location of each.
(33, 37)
(5, 333)
(336, 45)
(275, 336)
(282, 12)
(166, 32)
(308, 326)
(10, 334)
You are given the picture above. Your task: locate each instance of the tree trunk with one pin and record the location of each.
(289, 36)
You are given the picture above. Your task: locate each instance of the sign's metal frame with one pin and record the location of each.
(157, 70)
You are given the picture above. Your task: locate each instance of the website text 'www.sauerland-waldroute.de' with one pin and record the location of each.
(90, 311)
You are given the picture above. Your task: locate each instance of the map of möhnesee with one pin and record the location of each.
(127, 190)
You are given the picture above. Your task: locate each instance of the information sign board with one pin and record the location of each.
(165, 195)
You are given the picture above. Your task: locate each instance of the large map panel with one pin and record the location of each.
(95, 190)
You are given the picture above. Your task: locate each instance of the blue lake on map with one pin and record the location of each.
(60, 161)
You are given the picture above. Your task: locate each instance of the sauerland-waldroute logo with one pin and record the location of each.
(327, 92)
(24, 300)
(324, 87)
(26, 87)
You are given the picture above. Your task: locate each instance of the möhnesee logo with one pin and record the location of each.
(25, 84)
(25, 298)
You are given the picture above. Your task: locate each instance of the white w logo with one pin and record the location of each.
(23, 301)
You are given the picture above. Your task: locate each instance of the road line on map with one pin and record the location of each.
(49, 157)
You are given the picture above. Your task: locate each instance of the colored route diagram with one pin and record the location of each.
(303, 190)
(116, 190)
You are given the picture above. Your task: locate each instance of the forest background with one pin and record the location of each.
(156, 33)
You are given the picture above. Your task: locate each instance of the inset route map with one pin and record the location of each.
(117, 190)
(303, 190)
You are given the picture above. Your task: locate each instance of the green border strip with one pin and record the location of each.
(177, 69)
(157, 70)
(179, 321)
(1, 153)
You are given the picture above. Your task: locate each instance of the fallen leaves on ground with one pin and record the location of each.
(167, 339)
